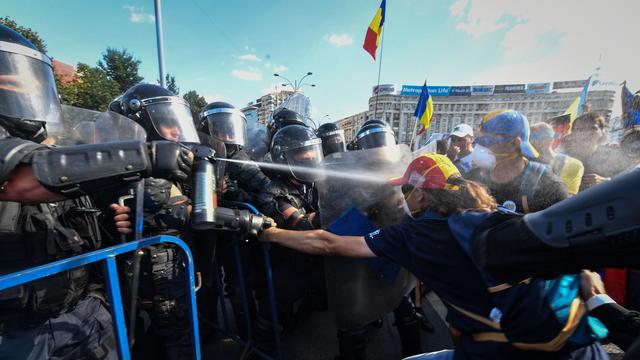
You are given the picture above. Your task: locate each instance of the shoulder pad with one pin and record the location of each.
(14, 151)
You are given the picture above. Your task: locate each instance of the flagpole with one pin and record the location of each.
(375, 111)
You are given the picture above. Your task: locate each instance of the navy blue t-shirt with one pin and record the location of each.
(427, 248)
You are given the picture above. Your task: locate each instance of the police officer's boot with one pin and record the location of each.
(409, 330)
(352, 344)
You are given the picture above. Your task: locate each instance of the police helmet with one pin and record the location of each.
(29, 102)
(373, 134)
(224, 122)
(161, 113)
(298, 148)
(284, 117)
(332, 138)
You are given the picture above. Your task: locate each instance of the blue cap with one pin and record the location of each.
(512, 125)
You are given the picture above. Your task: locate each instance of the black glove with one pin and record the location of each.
(170, 160)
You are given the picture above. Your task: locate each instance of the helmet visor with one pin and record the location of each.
(375, 138)
(334, 143)
(172, 119)
(27, 86)
(227, 125)
(304, 162)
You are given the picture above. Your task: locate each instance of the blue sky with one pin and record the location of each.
(229, 50)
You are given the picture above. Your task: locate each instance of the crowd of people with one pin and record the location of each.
(60, 200)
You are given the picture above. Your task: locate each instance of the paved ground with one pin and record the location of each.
(316, 340)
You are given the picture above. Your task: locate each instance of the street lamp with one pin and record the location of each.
(297, 84)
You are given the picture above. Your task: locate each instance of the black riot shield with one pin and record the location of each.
(357, 293)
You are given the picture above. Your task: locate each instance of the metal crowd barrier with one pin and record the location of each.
(249, 345)
(108, 258)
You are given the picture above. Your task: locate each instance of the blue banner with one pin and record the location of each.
(415, 90)
(460, 90)
(538, 88)
(482, 90)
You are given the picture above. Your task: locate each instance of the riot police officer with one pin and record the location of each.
(244, 182)
(42, 217)
(296, 276)
(375, 134)
(284, 117)
(332, 138)
(166, 211)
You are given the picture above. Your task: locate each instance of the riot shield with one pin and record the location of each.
(258, 141)
(357, 293)
(299, 103)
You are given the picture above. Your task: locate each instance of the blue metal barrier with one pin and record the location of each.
(108, 257)
(249, 345)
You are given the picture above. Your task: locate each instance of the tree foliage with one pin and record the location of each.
(121, 67)
(170, 80)
(196, 102)
(92, 90)
(31, 35)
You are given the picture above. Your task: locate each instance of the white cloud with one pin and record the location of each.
(279, 68)
(249, 75)
(550, 40)
(339, 40)
(137, 15)
(249, 57)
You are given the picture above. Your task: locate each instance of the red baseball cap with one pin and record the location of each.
(428, 171)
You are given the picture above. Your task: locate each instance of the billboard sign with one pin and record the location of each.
(569, 84)
(509, 89)
(384, 89)
(538, 88)
(482, 90)
(415, 90)
(460, 90)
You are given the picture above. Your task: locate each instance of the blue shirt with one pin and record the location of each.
(426, 247)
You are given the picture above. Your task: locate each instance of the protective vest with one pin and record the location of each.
(32, 235)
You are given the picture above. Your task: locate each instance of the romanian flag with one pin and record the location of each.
(424, 109)
(372, 39)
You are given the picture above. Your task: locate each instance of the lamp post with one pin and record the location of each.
(296, 84)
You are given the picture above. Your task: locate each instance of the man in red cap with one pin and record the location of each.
(432, 249)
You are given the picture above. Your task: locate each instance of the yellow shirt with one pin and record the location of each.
(570, 170)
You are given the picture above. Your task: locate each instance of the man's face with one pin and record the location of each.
(170, 132)
(413, 196)
(305, 156)
(584, 139)
(465, 144)
(543, 145)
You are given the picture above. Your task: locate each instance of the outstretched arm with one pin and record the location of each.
(319, 242)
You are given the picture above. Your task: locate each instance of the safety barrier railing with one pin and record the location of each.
(249, 345)
(108, 258)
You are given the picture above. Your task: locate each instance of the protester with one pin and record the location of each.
(516, 181)
(585, 143)
(497, 322)
(567, 168)
(461, 149)
(623, 324)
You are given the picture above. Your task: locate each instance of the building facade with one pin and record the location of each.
(468, 104)
(262, 108)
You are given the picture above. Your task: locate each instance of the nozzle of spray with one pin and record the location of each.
(206, 213)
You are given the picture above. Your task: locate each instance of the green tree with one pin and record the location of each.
(170, 80)
(121, 67)
(92, 90)
(31, 35)
(196, 102)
